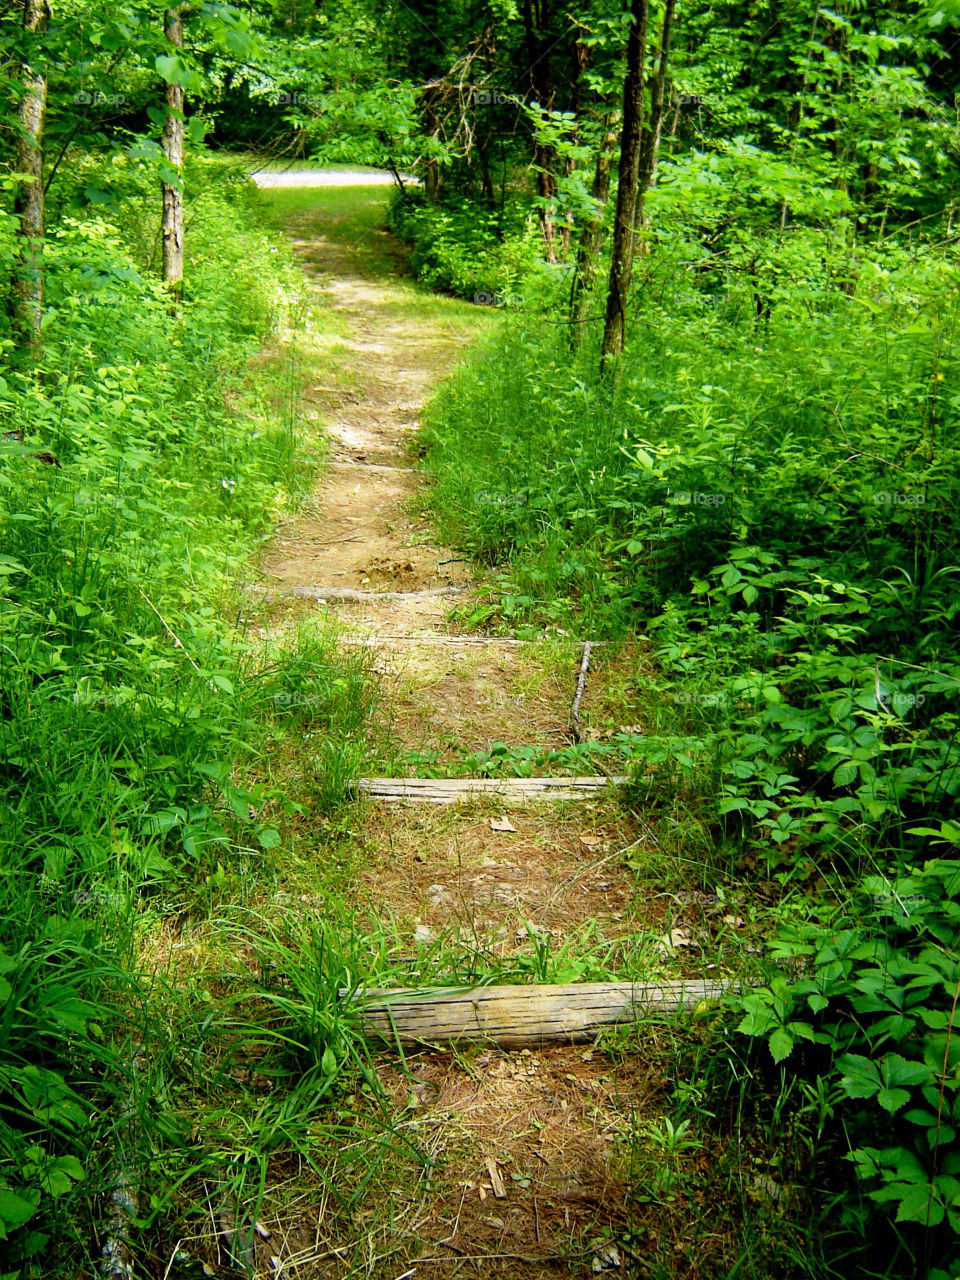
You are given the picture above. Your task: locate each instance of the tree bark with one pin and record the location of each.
(541, 86)
(579, 61)
(516, 1016)
(621, 265)
(26, 300)
(651, 134)
(591, 238)
(173, 153)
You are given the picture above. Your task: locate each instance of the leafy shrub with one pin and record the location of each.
(133, 715)
(468, 249)
(774, 500)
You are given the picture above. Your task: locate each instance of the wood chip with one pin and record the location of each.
(501, 824)
(496, 1182)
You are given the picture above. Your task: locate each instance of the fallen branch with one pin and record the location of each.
(575, 733)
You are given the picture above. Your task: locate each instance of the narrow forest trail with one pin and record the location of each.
(526, 1154)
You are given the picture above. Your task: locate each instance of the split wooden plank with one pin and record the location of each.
(454, 790)
(454, 642)
(349, 593)
(357, 465)
(518, 1016)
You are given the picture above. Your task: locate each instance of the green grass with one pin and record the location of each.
(773, 506)
(143, 765)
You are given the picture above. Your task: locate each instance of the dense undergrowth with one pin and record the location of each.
(141, 727)
(467, 248)
(768, 493)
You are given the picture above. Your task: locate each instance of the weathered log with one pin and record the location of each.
(350, 593)
(455, 790)
(451, 641)
(518, 1016)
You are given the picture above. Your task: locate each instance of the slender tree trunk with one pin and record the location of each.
(621, 265)
(431, 170)
(26, 301)
(173, 153)
(487, 192)
(544, 156)
(591, 238)
(580, 58)
(651, 134)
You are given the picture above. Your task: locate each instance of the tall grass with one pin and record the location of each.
(139, 722)
(773, 502)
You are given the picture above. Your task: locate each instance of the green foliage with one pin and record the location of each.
(473, 251)
(769, 492)
(874, 985)
(137, 722)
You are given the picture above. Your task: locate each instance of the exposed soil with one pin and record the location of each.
(549, 1123)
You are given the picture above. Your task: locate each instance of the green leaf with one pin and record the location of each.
(171, 68)
(268, 838)
(781, 1044)
(845, 774)
(893, 1099)
(328, 1063)
(897, 1070)
(15, 1210)
(861, 1078)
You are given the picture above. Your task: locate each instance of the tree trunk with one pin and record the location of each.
(580, 60)
(651, 133)
(541, 87)
(621, 265)
(26, 301)
(173, 153)
(591, 238)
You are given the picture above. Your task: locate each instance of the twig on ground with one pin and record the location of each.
(575, 733)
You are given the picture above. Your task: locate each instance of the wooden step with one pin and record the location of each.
(456, 642)
(350, 593)
(517, 1016)
(455, 790)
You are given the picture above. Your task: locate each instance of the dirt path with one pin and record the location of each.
(525, 1155)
